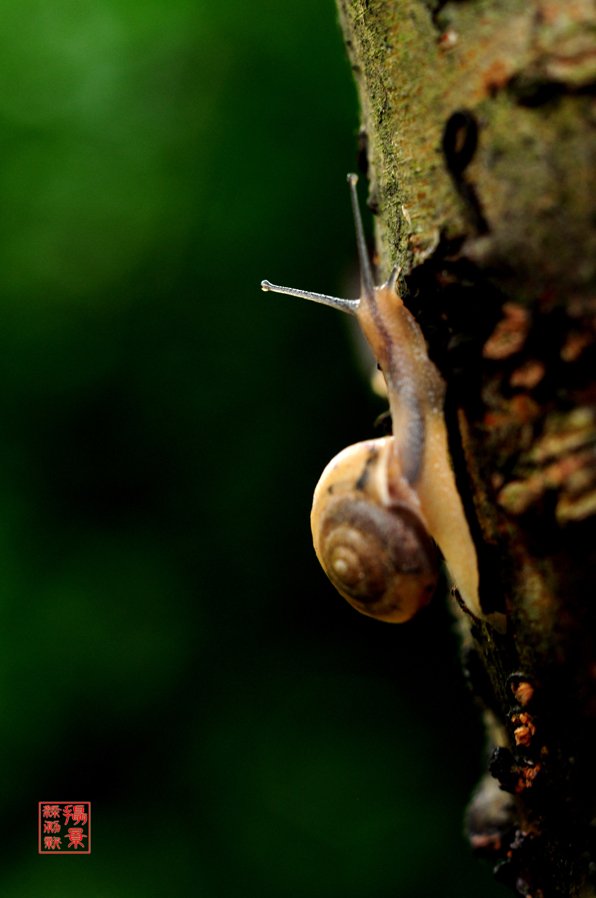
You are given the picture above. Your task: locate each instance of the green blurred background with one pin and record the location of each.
(171, 650)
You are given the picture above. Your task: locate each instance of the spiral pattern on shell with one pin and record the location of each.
(381, 559)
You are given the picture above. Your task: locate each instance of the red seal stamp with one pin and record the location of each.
(64, 827)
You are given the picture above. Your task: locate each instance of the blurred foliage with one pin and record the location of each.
(170, 649)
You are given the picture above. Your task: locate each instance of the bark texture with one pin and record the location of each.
(478, 129)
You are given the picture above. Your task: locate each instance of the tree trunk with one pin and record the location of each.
(477, 129)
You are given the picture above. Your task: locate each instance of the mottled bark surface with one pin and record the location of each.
(478, 122)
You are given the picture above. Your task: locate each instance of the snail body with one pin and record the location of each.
(380, 505)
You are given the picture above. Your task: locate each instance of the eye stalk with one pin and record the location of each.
(380, 504)
(350, 306)
(344, 305)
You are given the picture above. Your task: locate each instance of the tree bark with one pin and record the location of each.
(478, 134)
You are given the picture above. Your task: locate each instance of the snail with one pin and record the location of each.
(381, 505)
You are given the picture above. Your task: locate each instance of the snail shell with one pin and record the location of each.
(370, 535)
